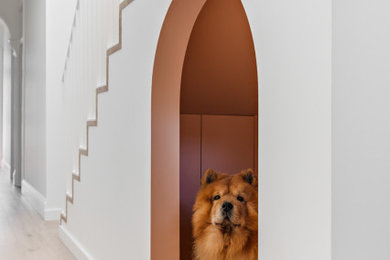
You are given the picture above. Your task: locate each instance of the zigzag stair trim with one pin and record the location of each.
(94, 123)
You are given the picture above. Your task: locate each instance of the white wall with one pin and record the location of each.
(361, 130)
(293, 47)
(2, 41)
(10, 11)
(295, 136)
(35, 95)
(1, 97)
(46, 36)
(113, 196)
(59, 18)
(6, 101)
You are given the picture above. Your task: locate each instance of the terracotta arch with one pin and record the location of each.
(165, 134)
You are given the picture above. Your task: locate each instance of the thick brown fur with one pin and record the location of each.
(229, 235)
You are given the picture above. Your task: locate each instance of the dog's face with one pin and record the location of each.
(229, 198)
(227, 202)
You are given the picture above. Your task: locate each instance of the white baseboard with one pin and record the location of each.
(34, 198)
(73, 244)
(38, 202)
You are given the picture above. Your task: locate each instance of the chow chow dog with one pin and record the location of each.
(225, 217)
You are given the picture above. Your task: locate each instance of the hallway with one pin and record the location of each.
(23, 234)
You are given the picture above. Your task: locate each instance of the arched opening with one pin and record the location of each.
(204, 112)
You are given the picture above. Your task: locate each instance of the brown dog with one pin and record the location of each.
(225, 217)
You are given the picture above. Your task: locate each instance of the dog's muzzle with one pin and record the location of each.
(227, 209)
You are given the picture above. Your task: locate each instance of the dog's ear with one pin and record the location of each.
(249, 176)
(209, 177)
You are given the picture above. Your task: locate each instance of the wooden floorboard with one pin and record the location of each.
(23, 233)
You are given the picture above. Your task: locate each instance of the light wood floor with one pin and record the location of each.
(23, 234)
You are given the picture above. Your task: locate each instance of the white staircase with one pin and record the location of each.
(108, 203)
(95, 35)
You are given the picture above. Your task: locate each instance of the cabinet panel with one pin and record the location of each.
(228, 143)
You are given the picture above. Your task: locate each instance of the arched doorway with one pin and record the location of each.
(204, 88)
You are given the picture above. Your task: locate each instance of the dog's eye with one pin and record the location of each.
(239, 198)
(217, 197)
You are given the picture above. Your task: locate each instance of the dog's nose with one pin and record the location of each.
(227, 206)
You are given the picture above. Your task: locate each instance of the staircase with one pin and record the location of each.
(108, 213)
(96, 25)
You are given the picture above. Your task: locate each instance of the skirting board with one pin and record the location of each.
(38, 202)
(73, 244)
